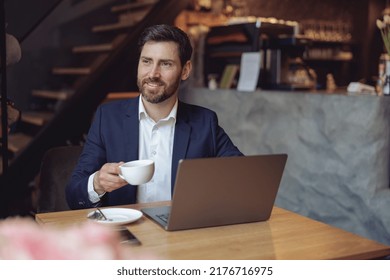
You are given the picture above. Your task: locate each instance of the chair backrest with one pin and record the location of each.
(56, 168)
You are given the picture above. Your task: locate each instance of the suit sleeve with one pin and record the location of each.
(91, 160)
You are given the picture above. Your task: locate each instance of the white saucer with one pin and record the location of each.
(118, 216)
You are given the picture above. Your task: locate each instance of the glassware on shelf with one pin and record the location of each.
(327, 31)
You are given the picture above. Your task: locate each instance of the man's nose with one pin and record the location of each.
(154, 72)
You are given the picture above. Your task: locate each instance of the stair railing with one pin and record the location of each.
(3, 72)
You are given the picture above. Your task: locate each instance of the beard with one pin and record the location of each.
(160, 94)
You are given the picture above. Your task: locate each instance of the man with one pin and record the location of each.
(155, 125)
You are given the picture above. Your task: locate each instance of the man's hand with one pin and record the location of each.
(107, 179)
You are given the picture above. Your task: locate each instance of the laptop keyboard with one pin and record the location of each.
(163, 217)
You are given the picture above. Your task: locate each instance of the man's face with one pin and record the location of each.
(160, 71)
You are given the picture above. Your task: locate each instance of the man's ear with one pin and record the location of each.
(185, 73)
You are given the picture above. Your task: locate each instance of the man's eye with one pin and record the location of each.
(145, 61)
(166, 64)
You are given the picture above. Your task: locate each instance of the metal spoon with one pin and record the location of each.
(98, 215)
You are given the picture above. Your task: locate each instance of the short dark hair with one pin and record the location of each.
(167, 33)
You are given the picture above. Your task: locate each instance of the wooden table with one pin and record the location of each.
(284, 236)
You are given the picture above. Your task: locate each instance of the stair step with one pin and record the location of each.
(134, 5)
(113, 26)
(121, 95)
(94, 48)
(72, 70)
(52, 94)
(133, 16)
(18, 141)
(37, 118)
(101, 47)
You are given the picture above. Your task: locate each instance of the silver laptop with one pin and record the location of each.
(221, 191)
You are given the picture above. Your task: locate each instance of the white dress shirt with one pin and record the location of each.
(155, 142)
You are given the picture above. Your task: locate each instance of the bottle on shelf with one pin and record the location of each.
(381, 75)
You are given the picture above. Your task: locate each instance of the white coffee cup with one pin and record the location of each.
(137, 172)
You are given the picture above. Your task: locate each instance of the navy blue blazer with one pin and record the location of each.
(114, 136)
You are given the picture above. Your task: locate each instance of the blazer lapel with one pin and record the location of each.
(181, 140)
(131, 130)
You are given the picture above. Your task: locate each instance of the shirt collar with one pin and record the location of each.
(142, 112)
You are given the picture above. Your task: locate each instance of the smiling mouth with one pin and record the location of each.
(153, 84)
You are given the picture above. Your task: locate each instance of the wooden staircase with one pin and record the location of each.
(129, 14)
(67, 112)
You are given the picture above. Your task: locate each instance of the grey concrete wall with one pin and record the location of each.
(338, 146)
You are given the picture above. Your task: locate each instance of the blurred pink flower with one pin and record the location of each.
(22, 238)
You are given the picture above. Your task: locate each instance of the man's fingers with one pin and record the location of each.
(108, 178)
